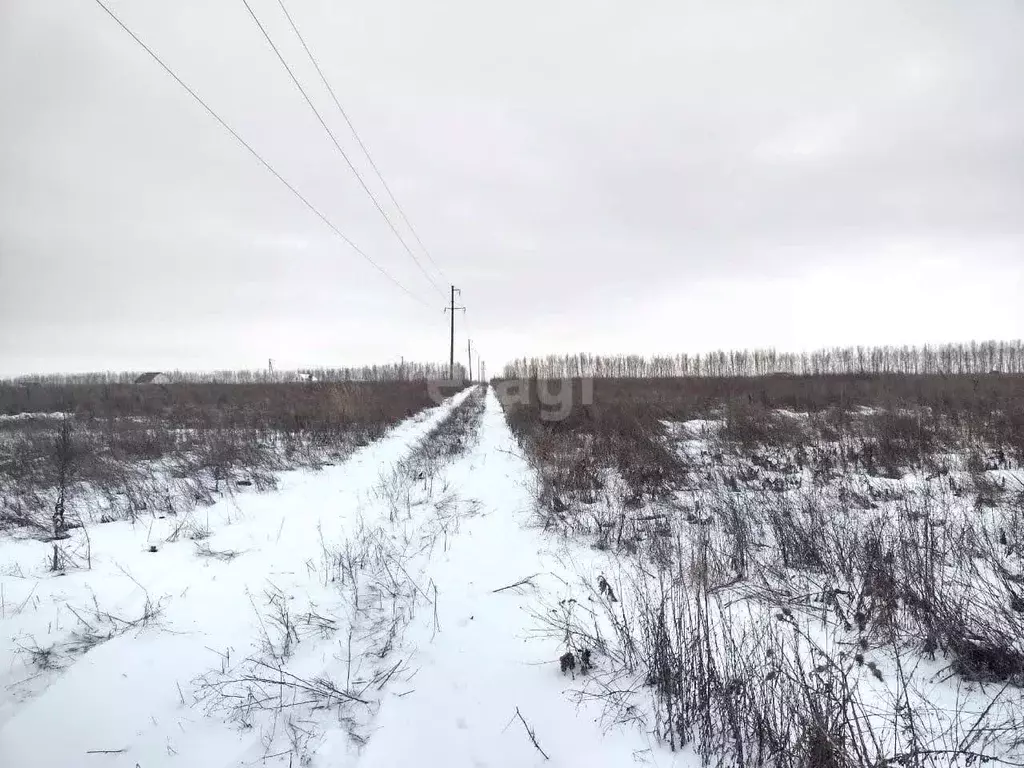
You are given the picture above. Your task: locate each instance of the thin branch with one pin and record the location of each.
(527, 580)
(531, 734)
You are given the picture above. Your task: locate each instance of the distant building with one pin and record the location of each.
(154, 377)
(306, 376)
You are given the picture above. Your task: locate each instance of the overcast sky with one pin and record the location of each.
(596, 176)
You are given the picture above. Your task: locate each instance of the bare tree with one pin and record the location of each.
(64, 458)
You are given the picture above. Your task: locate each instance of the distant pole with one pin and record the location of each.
(451, 354)
(451, 351)
(469, 359)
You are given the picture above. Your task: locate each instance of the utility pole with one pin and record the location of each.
(451, 356)
(469, 359)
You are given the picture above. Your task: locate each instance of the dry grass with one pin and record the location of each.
(164, 449)
(796, 574)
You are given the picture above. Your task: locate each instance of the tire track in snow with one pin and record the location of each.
(460, 709)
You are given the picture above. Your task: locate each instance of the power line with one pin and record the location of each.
(338, 146)
(256, 154)
(359, 139)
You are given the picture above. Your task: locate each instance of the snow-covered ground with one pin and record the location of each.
(348, 619)
(790, 591)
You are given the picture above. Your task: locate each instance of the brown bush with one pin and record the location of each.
(206, 434)
(753, 425)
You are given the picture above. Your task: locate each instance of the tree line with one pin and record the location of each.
(403, 371)
(968, 358)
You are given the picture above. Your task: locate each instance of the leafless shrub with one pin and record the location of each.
(744, 684)
(277, 627)
(165, 449)
(45, 658)
(778, 601)
(93, 627)
(264, 686)
(753, 425)
(574, 456)
(203, 549)
(376, 580)
(451, 437)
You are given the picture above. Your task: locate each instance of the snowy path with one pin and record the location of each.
(468, 660)
(482, 665)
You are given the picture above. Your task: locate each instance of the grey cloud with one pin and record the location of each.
(563, 161)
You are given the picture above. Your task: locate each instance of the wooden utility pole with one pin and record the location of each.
(469, 359)
(451, 356)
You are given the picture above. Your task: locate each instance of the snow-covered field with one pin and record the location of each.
(789, 595)
(441, 597)
(348, 618)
